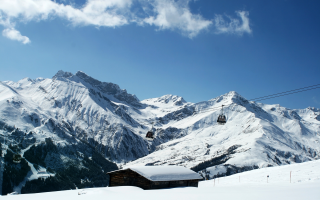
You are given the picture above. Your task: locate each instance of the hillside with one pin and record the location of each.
(256, 135)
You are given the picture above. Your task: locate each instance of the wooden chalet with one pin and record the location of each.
(154, 177)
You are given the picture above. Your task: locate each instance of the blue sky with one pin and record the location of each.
(195, 49)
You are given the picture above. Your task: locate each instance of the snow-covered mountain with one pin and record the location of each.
(85, 108)
(256, 135)
(75, 112)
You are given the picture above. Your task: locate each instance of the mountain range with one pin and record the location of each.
(74, 128)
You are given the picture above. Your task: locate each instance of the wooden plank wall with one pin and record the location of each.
(171, 184)
(130, 178)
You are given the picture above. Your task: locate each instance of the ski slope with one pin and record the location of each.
(307, 172)
(252, 186)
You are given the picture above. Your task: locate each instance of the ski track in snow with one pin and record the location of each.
(33, 174)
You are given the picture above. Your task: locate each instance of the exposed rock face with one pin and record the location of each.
(110, 88)
(62, 74)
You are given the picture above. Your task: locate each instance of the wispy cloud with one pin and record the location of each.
(176, 15)
(94, 12)
(163, 14)
(15, 35)
(233, 25)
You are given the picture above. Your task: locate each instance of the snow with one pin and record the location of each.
(307, 172)
(265, 134)
(166, 173)
(159, 107)
(252, 186)
(217, 170)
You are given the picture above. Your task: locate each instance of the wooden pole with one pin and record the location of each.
(290, 176)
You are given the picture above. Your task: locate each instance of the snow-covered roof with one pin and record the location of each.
(166, 173)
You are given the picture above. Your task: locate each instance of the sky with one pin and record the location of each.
(197, 49)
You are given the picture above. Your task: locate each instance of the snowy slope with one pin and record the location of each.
(307, 172)
(100, 113)
(255, 136)
(253, 185)
(74, 104)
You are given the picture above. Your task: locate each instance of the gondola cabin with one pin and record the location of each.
(16, 158)
(149, 135)
(154, 177)
(222, 119)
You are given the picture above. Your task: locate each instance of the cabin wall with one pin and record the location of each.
(131, 178)
(128, 178)
(193, 183)
(159, 184)
(171, 184)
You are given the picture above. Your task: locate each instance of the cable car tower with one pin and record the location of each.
(221, 118)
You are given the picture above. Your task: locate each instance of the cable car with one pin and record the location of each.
(16, 158)
(150, 135)
(221, 118)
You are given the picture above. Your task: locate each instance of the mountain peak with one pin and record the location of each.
(109, 88)
(82, 74)
(62, 74)
(233, 93)
(231, 96)
(169, 98)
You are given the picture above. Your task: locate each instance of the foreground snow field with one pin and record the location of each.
(305, 184)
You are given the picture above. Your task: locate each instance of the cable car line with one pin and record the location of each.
(288, 91)
(263, 97)
(287, 94)
(222, 118)
(217, 108)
